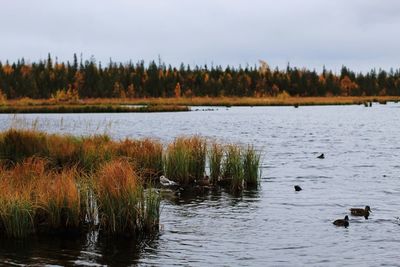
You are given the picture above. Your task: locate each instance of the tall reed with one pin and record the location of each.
(185, 160)
(63, 150)
(146, 156)
(16, 215)
(233, 168)
(18, 197)
(16, 145)
(151, 216)
(95, 151)
(119, 194)
(59, 200)
(197, 156)
(177, 162)
(216, 154)
(251, 166)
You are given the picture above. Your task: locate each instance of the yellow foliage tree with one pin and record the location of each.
(346, 86)
(177, 90)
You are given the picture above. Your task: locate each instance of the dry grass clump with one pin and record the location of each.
(146, 156)
(59, 200)
(95, 151)
(63, 150)
(124, 207)
(36, 198)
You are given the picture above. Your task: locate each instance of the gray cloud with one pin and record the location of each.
(312, 33)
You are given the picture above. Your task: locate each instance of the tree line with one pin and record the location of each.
(89, 79)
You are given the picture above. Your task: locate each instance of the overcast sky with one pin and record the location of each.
(361, 34)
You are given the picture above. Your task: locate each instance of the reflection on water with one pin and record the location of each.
(272, 226)
(88, 250)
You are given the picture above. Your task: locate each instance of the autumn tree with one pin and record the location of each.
(347, 86)
(177, 90)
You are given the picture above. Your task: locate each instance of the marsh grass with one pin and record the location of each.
(17, 198)
(59, 200)
(16, 215)
(185, 160)
(88, 108)
(56, 184)
(177, 162)
(146, 156)
(63, 150)
(152, 210)
(233, 168)
(120, 197)
(17, 145)
(216, 154)
(251, 167)
(95, 151)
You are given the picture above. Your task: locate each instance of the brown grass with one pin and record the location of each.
(216, 101)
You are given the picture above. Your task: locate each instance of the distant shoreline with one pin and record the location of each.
(117, 105)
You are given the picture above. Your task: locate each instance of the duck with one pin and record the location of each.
(342, 222)
(361, 212)
(297, 188)
(164, 181)
(322, 156)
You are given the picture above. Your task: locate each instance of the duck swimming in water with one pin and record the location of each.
(297, 188)
(322, 156)
(361, 212)
(342, 222)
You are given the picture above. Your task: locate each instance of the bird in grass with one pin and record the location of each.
(297, 188)
(361, 212)
(164, 181)
(322, 156)
(342, 222)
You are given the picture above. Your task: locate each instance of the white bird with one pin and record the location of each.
(164, 181)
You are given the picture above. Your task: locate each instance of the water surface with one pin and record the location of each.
(273, 226)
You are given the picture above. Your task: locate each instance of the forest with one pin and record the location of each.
(89, 79)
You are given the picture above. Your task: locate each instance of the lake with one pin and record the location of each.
(274, 225)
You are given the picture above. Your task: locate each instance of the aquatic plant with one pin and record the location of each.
(197, 156)
(177, 162)
(16, 145)
(63, 150)
(95, 150)
(87, 108)
(121, 200)
(233, 168)
(251, 166)
(16, 215)
(185, 160)
(65, 183)
(146, 156)
(216, 154)
(59, 200)
(151, 216)
(17, 197)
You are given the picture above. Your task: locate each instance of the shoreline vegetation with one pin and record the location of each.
(112, 105)
(64, 184)
(82, 107)
(105, 88)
